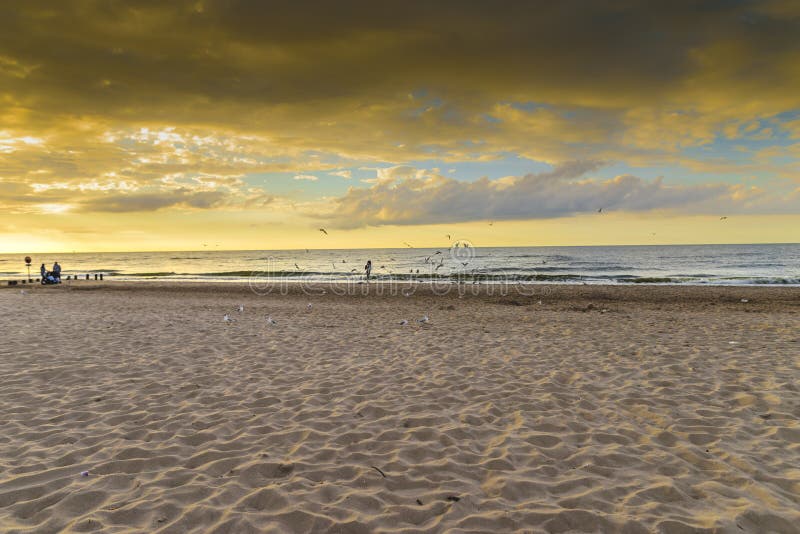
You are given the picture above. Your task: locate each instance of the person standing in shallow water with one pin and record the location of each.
(368, 268)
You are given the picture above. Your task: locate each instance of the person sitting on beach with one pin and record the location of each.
(57, 271)
(368, 268)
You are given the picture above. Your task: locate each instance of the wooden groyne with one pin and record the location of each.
(26, 281)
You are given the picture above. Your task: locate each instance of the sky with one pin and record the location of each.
(236, 124)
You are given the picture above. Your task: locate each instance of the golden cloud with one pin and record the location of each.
(120, 103)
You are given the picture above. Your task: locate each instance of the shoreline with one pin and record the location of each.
(443, 282)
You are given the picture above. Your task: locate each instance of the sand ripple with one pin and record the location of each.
(488, 419)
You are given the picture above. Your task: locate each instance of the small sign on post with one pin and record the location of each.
(28, 264)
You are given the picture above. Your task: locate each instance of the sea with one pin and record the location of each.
(761, 264)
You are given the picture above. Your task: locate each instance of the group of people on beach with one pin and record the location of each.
(53, 276)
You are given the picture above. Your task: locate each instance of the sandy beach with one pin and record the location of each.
(137, 408)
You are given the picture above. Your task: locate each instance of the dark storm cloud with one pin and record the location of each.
(172, 59)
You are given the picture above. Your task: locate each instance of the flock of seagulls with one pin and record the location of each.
(427, 260)
(423, 320)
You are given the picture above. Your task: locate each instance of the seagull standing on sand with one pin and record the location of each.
(423, 320)
(309, 306)
(271, 321)
(227, 318)
(403, 322)
(240, 308)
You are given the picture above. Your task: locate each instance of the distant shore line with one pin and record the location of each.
(300, 278)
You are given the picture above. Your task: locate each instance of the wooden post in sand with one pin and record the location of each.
(95, 276)
(101, 276)
(87, 276)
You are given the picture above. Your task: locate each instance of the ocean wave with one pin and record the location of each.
(493, 276)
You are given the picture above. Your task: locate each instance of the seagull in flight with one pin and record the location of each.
(437, 252)
(406, 244)
(323, 231)
(722, 218)
(448, 237)
(600, 210)
(296, 266)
